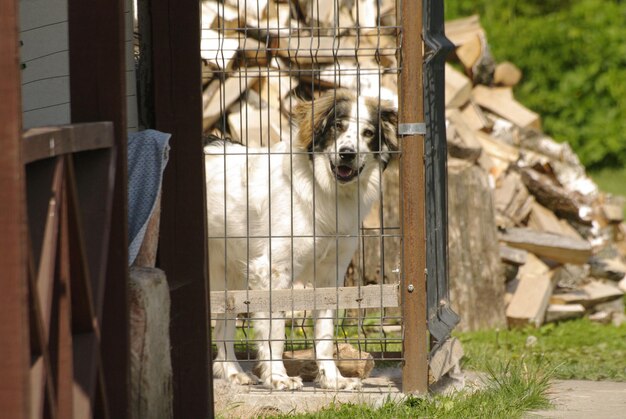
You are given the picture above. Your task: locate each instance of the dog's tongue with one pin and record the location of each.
(344, 171)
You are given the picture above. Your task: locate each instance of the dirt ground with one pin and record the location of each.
(574, 399)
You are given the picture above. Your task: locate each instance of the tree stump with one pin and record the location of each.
(475, 271)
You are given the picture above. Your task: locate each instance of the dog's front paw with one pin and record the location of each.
(339, 383)
(233, 373)
(283, 382)
(243, 379)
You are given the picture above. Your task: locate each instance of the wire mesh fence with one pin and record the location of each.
(300, 113)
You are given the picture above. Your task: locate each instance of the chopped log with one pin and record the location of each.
(508, 108)
(476, 275)
(253, 127)
(530, 301)
(571, 276)
(325, 14)
(555, 197)
(613, 269)
(313, 49)
(482, 70)
(150, 362)
(498, 149)
(512, 255)
(250, 9)
(458, 88)
(507, 74)
(464, 145)
(461, 31)
(557, 247)
(558, 312)
(512, 201)
(214, 105)
(218, 50)
(475, 117)
(533, 267)
(350, 361)
(622, 285)
(444, 359)
(542, 219)
(613, 213)
(470, 52)
(591, 294)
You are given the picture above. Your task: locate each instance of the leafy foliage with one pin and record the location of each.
(573, 57)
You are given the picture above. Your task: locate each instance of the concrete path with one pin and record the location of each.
(574, 399)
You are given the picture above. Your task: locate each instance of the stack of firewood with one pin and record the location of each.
(260, 58)
(562, 241)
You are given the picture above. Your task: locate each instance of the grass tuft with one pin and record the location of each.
(509, 390)
(579, 349)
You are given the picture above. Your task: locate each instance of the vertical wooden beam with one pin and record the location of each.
(411, 111)
(182, 247)
(98, 93)
(14, 326)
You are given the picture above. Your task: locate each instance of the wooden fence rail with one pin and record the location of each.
(69, 174)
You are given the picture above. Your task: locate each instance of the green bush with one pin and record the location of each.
(573, 57)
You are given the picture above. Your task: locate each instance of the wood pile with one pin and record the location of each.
(260, 58)
(562, 242)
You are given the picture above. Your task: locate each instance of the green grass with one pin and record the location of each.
(510, 389)
(578, 349)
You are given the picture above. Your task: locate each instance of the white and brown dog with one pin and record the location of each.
(292, 215)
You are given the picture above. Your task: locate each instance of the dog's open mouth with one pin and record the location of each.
(345, 173)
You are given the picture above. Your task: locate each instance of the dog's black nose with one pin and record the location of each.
(347, 154)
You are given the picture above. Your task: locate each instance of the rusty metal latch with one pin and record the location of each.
(415, 128)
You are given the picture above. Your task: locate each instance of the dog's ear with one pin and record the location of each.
(389, 125)
(314, 118)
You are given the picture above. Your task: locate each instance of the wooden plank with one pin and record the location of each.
(555, 197)
(458, 88)
(61, 344)
(502, 104)
(512, 255)
(558, 312)
(461, 31)
(373, 296)
(215, 105)
(14, 350)
(46, 142)
(589, 295)
(98, 93)
(530, 301)
(557, 247)
(48, 259)
(182, 246)
(314, 49)
(466, 146)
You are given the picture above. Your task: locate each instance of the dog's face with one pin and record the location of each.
(347, 135)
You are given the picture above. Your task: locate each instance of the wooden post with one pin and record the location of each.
(14, 327)
(98, 93)
(177, 87)
(411, 111)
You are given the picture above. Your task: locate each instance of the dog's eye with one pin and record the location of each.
(341, 125)
(368, 133)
